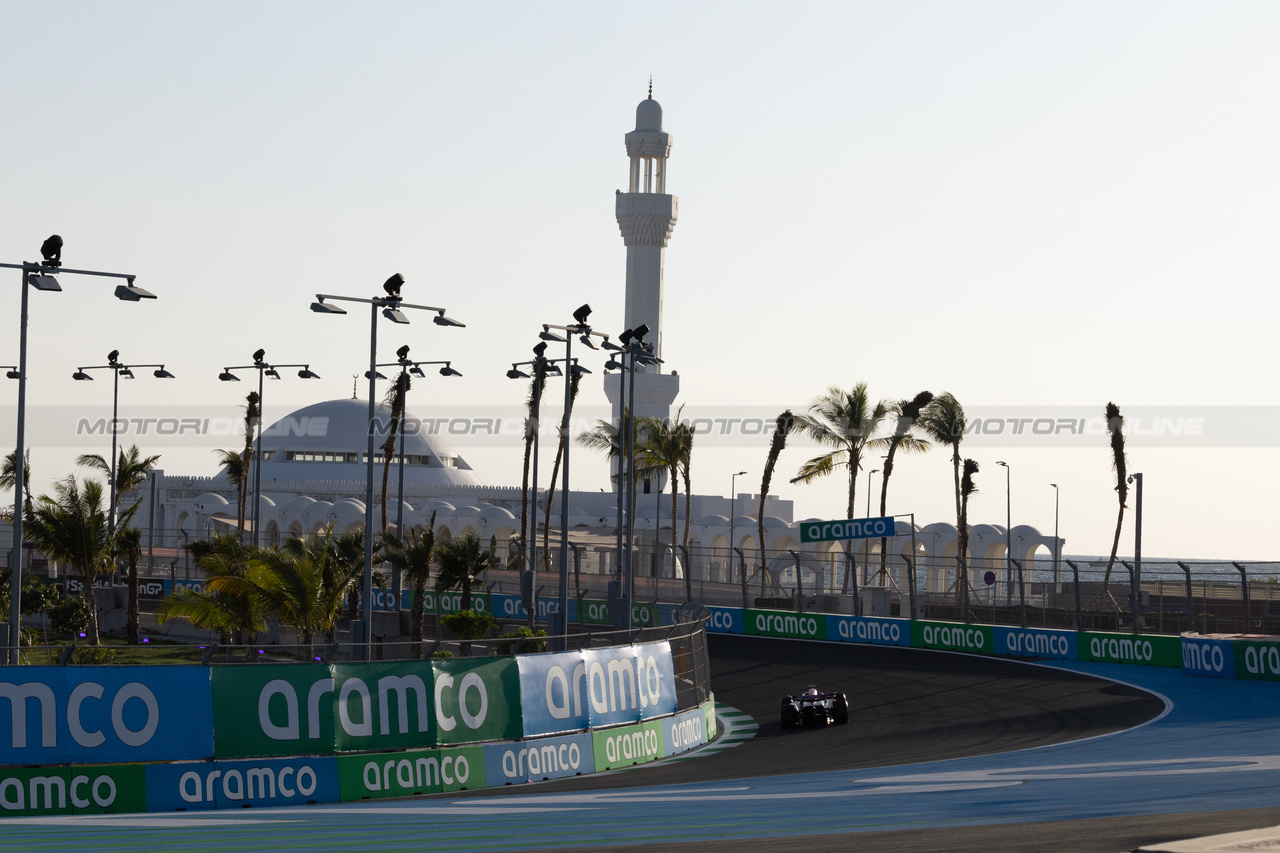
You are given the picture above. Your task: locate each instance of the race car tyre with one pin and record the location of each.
(840, 709)
(790, 716)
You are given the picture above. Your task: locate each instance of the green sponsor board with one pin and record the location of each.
(102, 789)
(594, 611)
(451, 602)
(321, 709)
(709, 718)
(1257, 660)
(627, 745)
(785, 623)
(953, 636)
(1148, 649)
(477, 700)
(405, 774)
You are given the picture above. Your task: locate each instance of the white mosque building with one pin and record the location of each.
(313, 467)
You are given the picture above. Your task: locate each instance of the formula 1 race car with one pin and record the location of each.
(813, 708)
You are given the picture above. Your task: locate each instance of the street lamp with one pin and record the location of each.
(406, 367)
(1057, 547)
(582, 330)
(733, 511)
(118, 369)
(391, 305)
(1136, 479)
(40, 276)
(264, 369)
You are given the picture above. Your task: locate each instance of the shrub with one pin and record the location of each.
(72, 616)
(507, 642)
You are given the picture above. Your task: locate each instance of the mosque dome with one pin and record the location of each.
(649, 115)
(329, 440)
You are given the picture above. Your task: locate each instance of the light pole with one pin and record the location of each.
(583, 331)
(41, 276)
(733, 511)
(390, 305)
(118, 370)
(1057, 547)
(1008, 537)
(264, 369)
(1136, 479)
(406, 367)
(866, 543)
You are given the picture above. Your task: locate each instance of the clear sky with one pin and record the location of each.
(1025, 204)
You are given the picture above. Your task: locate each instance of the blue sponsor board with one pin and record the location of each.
(553, 694)
(571, 691)
(725, 620)
(99, 714)
(237, 784)
(869, 629)
(512, 607)
(384, 601)
(684, 732)
(1208, 657)
(1035, 643)
(538, 759)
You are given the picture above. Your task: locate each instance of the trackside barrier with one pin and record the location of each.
(1250, 658)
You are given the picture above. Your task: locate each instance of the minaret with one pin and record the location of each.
(646, 215)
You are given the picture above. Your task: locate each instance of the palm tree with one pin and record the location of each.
(237, 468)
(9, 478)
(659, 447)
(967, 489)
(462, 560)
(132, 469)
(907, 412)
(844, 421)
(943, 421)
(532, 403)
(230, 616)
(395, 402)
(413, 558)
(73, 527)
(129, 547)
(1119, 464)
(786, 424)
(574, 379)
(685, 431)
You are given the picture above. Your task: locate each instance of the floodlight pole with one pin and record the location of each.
(391, 305)
(255, 456)
(33, 275)
(116, 368)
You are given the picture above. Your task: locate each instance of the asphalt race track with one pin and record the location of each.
(943, 752)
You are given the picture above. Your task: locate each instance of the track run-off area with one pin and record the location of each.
(943, 752)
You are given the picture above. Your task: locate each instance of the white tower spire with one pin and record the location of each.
(646, 216)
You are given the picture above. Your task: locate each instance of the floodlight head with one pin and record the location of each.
(403, 352)
(610, 345)
(515, 373)
(258, 355)
(548, 335)
(640, 331)
(449, 371)
(308, 373)
(1129, 479)
(161, 373)
(132, 293)
(647, 359)
(539, 349)
(553, 369)
(112, 356)
(613, 364)
(228, 376)
(580, 316)
(578, 369)
(81, 376)
(392, 285)
(417, 371)
(625, 337)
(13, 374)
(271, 373)
(51, 249)
(43, 282)
(586, 341)
(395, 315)
(441, 320)
(126, 373)
(377, 374)
(322, 307)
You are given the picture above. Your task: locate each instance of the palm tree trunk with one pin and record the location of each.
(1115, 548)
(675, 530)
(850, 562)
(132, 619)
(418, 613)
